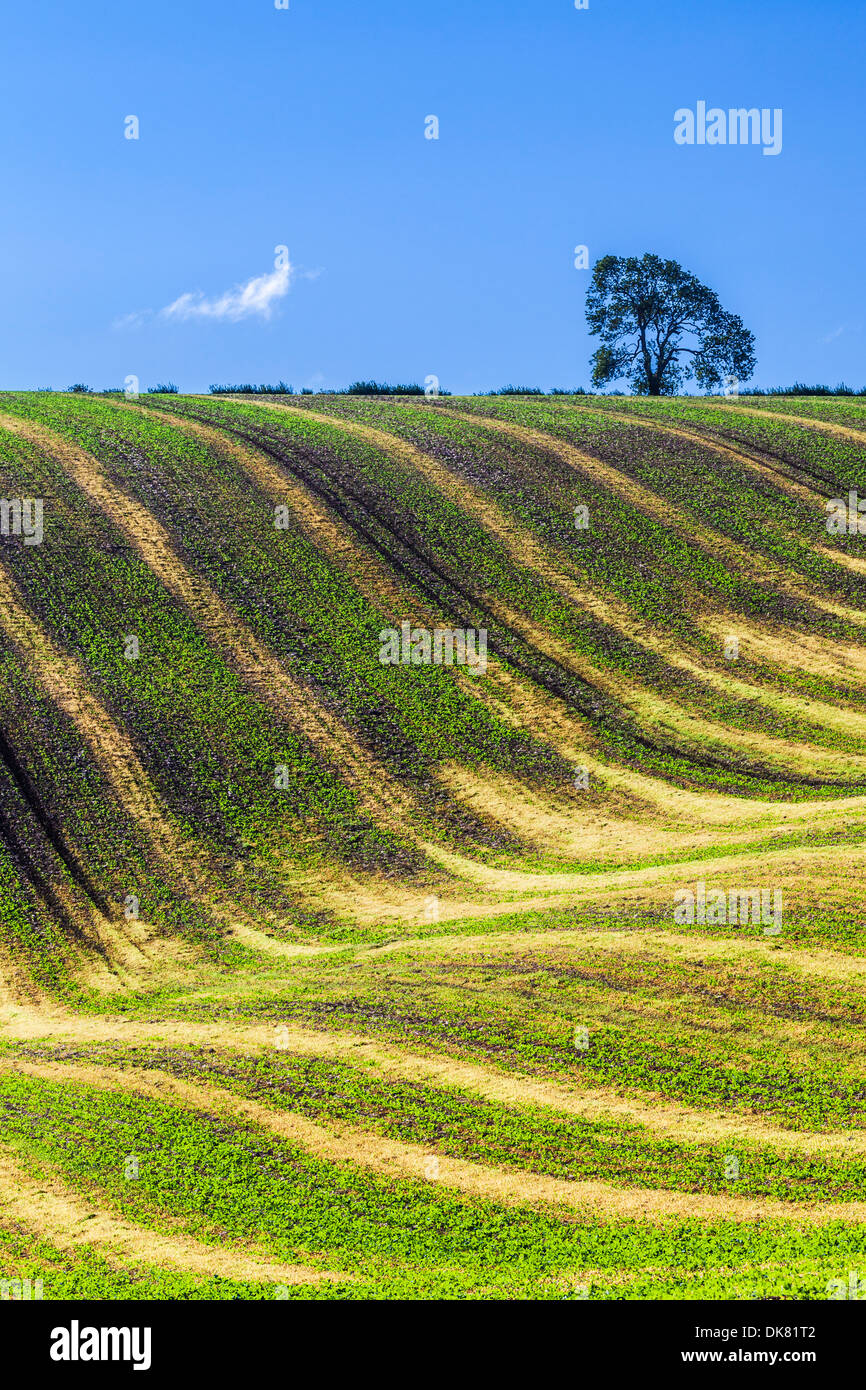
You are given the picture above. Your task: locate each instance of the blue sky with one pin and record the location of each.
(413, 257)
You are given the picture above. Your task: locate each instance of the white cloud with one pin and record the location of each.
(257, 297)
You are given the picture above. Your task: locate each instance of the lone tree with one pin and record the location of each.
(659, 326)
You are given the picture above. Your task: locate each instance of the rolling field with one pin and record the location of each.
(331, 971)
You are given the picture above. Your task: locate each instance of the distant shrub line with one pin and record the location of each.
(381, 388)
(799, 389)
(281, 389)
(357, 388)
(79, 389)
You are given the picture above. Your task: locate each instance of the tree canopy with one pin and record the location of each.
(659, 326)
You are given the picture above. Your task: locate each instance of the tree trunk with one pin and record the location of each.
(654, 378)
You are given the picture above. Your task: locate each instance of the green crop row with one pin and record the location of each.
(236, 1184)
(703, 1048)
(463, 1125)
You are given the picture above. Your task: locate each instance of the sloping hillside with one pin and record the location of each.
(293, 904)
